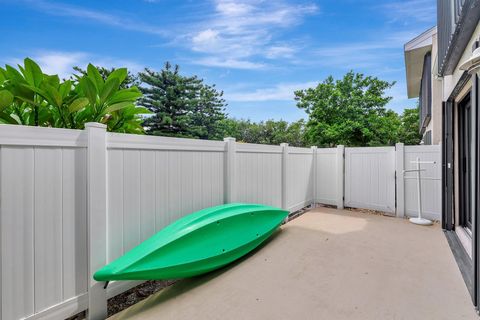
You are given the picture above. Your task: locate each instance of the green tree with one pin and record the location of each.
(182, 106)
(268, 132)
(208, 114)
(409, 133)
(350, 111)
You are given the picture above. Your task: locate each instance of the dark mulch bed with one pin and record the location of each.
(136, 294)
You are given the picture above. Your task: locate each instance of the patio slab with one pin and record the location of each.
(327, 264)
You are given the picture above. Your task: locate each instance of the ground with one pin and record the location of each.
(327, 264)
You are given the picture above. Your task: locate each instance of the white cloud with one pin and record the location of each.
(232, 8)
(245, 30)
(280, 51)
(60, 63)
(279, 92)
(205, 39)
(59, 9)
(228, 63)
(367, 54)
(411, 11)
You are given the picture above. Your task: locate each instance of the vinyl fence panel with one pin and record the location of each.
(370, 178)
(154, 181)
(300, 177)
(258, 174)
(42, 222)
(326, 176)
(431, 182)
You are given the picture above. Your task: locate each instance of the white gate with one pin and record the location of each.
(370, 178)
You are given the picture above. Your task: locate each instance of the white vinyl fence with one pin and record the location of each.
(370, 178)
(73, 200)
(431, 181)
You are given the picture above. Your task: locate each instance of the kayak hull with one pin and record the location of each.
(197, 243)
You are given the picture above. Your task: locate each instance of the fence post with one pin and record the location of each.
(97, 216)
(400, 182)
(340, 175)
(284, 174)
(314, 172)
(230, 175)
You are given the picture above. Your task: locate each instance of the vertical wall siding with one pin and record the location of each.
(431, 181)
(148, 189)
(43, 227)
(326, 176)
(299, 178)
(259, 175)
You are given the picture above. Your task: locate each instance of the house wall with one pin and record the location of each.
(448, 85)
(449, 82)
(434, 127)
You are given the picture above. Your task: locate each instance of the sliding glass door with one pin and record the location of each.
(465, 165)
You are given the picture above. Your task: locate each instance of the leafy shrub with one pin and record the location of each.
(30, 97)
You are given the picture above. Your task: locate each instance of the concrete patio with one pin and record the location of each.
(327, 264)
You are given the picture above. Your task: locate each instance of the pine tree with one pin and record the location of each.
(183, 106)
(208, 114)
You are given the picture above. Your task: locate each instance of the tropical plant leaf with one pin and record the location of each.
(78, 104)
(54, 80)
(6, 98)
(13, 74)
(28, 101)
(32, 72)
(142, 110)
(120, 74)
(110, 87)
(53, 95)
(6, 118)
(130, 94)
(26, 93)
(16, 118)
(118, 106)
(65, 88)
(95, 76)
(89, 89)
(3, 75)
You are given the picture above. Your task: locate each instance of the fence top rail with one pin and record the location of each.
(369, 149)
(299, 150)
(132, 141)
(258, 148)
(327, 150)
(18, 135)
(423, 148)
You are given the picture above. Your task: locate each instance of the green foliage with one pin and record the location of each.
(30, 97)
(409, 133)
(129, 80)
(183, 106)
(268, 132)
(350, 111)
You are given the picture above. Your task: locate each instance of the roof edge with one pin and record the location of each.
(422, 40)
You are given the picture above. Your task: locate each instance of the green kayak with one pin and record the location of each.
(197, 243)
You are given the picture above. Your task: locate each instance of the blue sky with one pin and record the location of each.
(257, 52)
